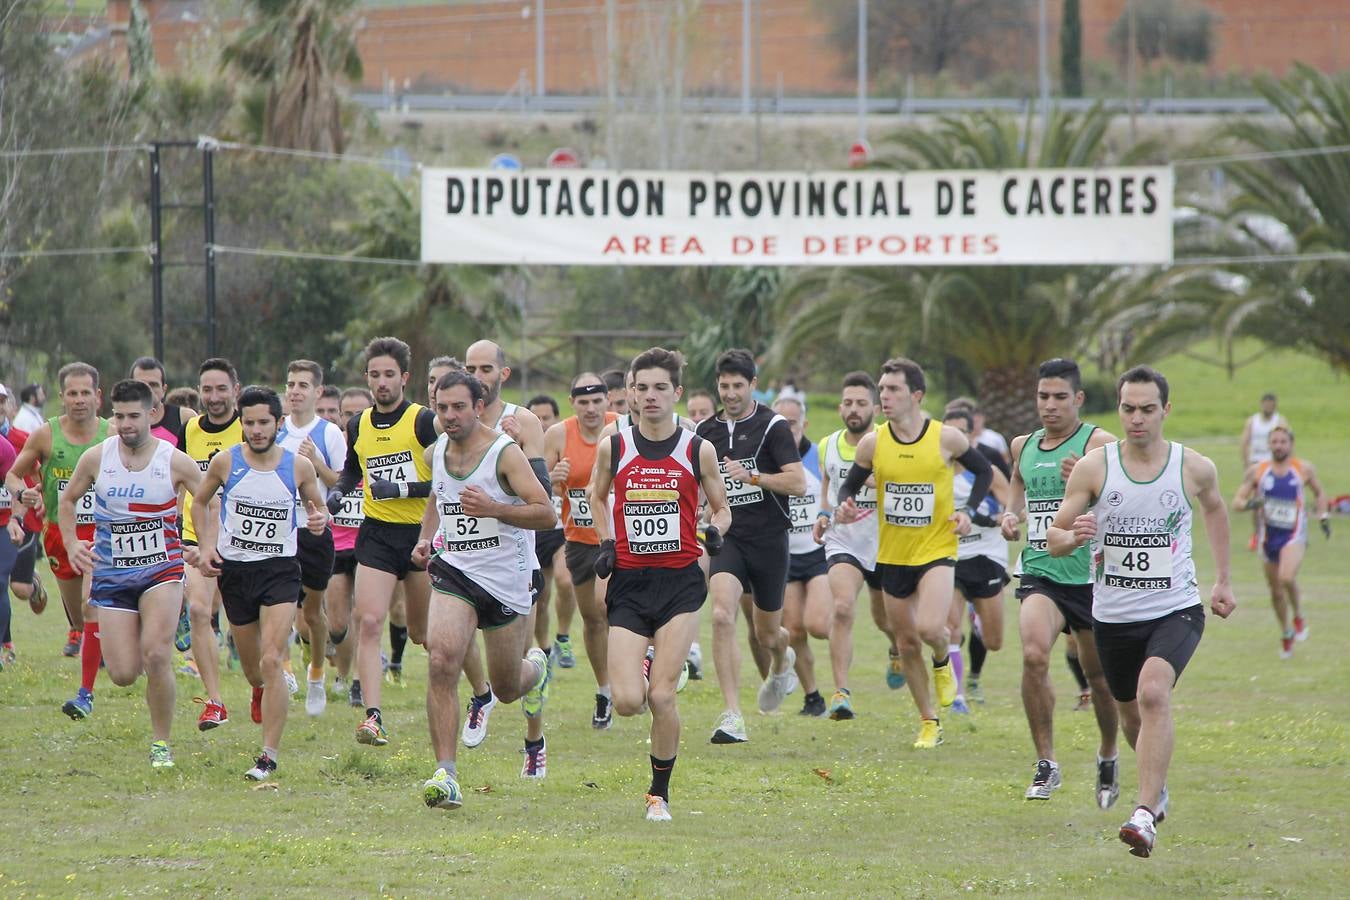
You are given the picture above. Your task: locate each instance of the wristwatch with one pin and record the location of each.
(754, 479)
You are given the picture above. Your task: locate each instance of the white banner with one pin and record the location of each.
(929, 218)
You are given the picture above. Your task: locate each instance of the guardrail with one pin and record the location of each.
(566, 103)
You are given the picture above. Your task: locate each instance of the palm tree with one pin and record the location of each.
(297, 50)
(1001, 321)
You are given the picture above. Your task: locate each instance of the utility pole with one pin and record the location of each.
(209, 233)
(1131, 52)
(745, 57)
(1043, 68)
(612, 51)
(759, 125)
(539, 83)
(156, 257)
(862, 69)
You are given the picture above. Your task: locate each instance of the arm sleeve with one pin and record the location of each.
(425, 427)
(541, 472)
(350, 476)
(977, 464)
(857, 476)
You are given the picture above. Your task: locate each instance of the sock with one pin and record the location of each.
(958, 666)
(1077, 669)
(946, 660)
(661, 769)
(814, 695)
(374, 711)
(449, 766)
(563, 638)
(398, 639)
(978, 651)
(91, 654)
(603, 691)
(485, 697)
(270, 753)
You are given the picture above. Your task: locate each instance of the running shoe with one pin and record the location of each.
(944, 683)
(1161, 812)
(182, 637)
(778, 685)
(160, 755)
(535, 764)
(973, 689)
(895, 672)
(730, 729)
(658, 809)
(37, 600)
(604, 713)
(1300, 629)
(1140, 832)
(532, 704)
(441, 791)
(316, 698)
(372, 732)
(213, 714)
(354, 697)
(81, 706)
(393, 676)
(263, 767)
(695, 664)
(1287, 646)
(567, 657)
(930, 735)
(961, 708)
(8, 655)
(683, 680)
(73, 640)
(813, 706)
(255, 707)
(1108, 782)
(1045, 782)
(292, 686)
(841, 706)
(476, 722)
(1084, 701)
(339, 688)
(189, 668)
(232, 658)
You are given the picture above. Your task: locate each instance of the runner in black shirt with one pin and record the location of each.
(760, 468)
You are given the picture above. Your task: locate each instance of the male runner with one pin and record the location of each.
(305, 433)
(760, 468)
(911, 458)
(1056, 594)
(487, 503)
(649, 547)
(204, 437)
(616, 384)
(552, 565)
(251, 549)
(699, 405)
(22, 533)
(136, 558)
(166, 422)
(569, 451)
(1276, 487)
(339, 597)
(439, 366)
(329, 405)
(55, 447)
(851, 549)
(808, 607)
(1255, 446)
(1131, 501)
(386, 447)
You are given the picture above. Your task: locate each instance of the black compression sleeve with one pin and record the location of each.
(425, 427)
(978, 465)
(419, 489)
(541, 472)
(857, 476)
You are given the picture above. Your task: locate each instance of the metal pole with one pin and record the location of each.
(612, 51)
(862, 70)
(1043, 65)
(539, 84)
(745, 57)
(759, 125)
(156, 257)
(1130, 52)
(209, 220)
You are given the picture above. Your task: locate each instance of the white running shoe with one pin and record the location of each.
(316, 698)
(658, 810)
(778, 686)
(1046, 781)
(730, 729)
(1140, 832)
(291, 684)
(476, 722)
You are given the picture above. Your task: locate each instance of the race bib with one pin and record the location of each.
(580, 505)
(909, 505)
(740, 493)
(652, 527)
(391, 466)
(464, 534)
(258, 529)
(801, 511)
(6, 499)
(557, 507)
(84, 507)
(1140, 562)
(1280, 513)
(866, 498)
(353, 510)
(137, 544)
(1040, 516)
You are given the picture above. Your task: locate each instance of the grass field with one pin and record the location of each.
(1258, 783)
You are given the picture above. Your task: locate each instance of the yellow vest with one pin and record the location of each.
(394, 454)
(201, 445)
(914, 493)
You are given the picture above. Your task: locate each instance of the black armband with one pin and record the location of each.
(541, 472)
(977, 464)
(857, 476)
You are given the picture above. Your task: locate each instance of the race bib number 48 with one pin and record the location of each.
(909, 505)
(1141, 562)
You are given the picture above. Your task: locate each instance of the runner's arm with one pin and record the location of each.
(184, 472)
(1245, 447)
(713, 488)
(204, 523)
(1246, 491)
(960, 449)
(29, 462)
(518, 473)
(1074, 525)
(307, 483)
(1203, 477)
(1017, 493)
(1322, 507)
(861, 469)
(601, 483)
(351, 473)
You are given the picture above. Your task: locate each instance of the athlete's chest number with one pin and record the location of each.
(465, 533)
(1280, 513)
(801, 510)
(740, 492)
(1138, 561)
(84, 506)
(580, 505)
(352, 511)
(652, 527)
(909, 505)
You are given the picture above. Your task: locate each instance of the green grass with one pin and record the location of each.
(1258, 781)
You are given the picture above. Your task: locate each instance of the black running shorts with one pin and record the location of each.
(246, 587)
(580, 560)
(1123, 647)
(315, 554)
(902, 581)
(980, 577)
(387, 546)
(644, 600)
(870, 576)
(805, 566)
(452, 583)
(1074, 601)
(546, 546)
(760, 565)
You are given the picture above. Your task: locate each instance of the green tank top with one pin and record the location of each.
(1039, 469)
(61, 465)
